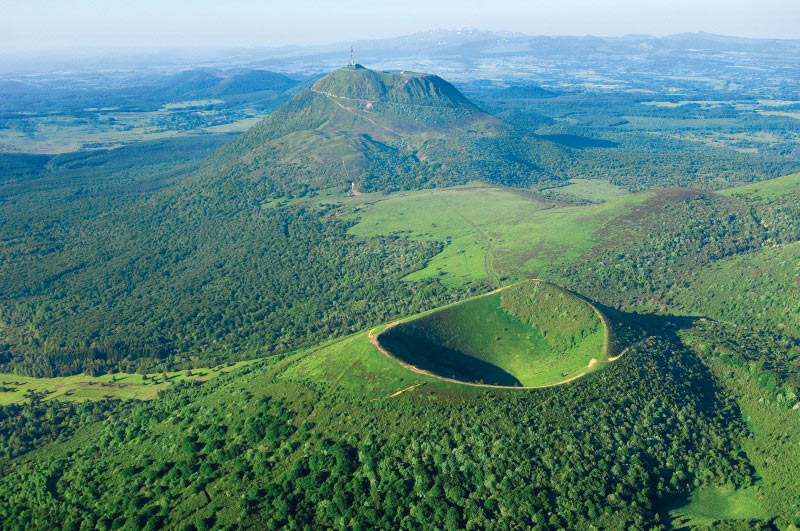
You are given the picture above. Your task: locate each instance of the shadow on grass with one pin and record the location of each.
(443, 361)
(630, 327)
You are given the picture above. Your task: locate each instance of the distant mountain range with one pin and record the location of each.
(437, 44)
(148, 93)
(206, 83)
(698, 61)
(477, 43)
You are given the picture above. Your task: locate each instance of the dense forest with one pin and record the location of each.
(647, 266)
(454, 462)
(217, 275)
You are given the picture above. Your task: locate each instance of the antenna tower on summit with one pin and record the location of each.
(352, 58)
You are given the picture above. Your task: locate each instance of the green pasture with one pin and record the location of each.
(598, 190)
(494, 233)
(352, 366)
(708, 505)
(80, 387)
(767, 189)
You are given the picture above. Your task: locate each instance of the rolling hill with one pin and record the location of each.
(148, 93)
(341, 436)
(197, 84)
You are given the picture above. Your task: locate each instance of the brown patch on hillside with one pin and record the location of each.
(620, 229)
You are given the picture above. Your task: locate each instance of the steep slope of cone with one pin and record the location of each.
(382, 131)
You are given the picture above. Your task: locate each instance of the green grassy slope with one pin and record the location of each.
(495, 232)
(708, 506)
(756, 289)
(563, 319)
(596, 190)
(766, 189)
(456, 216)
(530, 334)
(362, 84)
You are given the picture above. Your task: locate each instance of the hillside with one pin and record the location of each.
(366, 86)
(147, 93)
(383, 131)
(562, 292)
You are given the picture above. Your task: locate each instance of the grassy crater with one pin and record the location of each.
(529, 334)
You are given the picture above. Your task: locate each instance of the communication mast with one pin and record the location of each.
(352, 63)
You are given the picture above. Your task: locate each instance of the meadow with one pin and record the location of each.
(491, 233)
(707, 506)
(595, 190)
(769, 189)
(16, 389)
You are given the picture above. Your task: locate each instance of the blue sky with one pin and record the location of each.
(27, 25)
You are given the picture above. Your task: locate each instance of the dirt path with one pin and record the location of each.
(372, 102)
(487, 257)
(352, 111)
(401, 391)
(626, 349)
(373, 338)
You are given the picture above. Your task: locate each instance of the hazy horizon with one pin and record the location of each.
(46, 26)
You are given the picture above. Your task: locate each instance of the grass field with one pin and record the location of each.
(456, 216)
(531, 334)
(80, 387)
(353, 367)
(493, 233)
(767, 189)
(710, 504)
